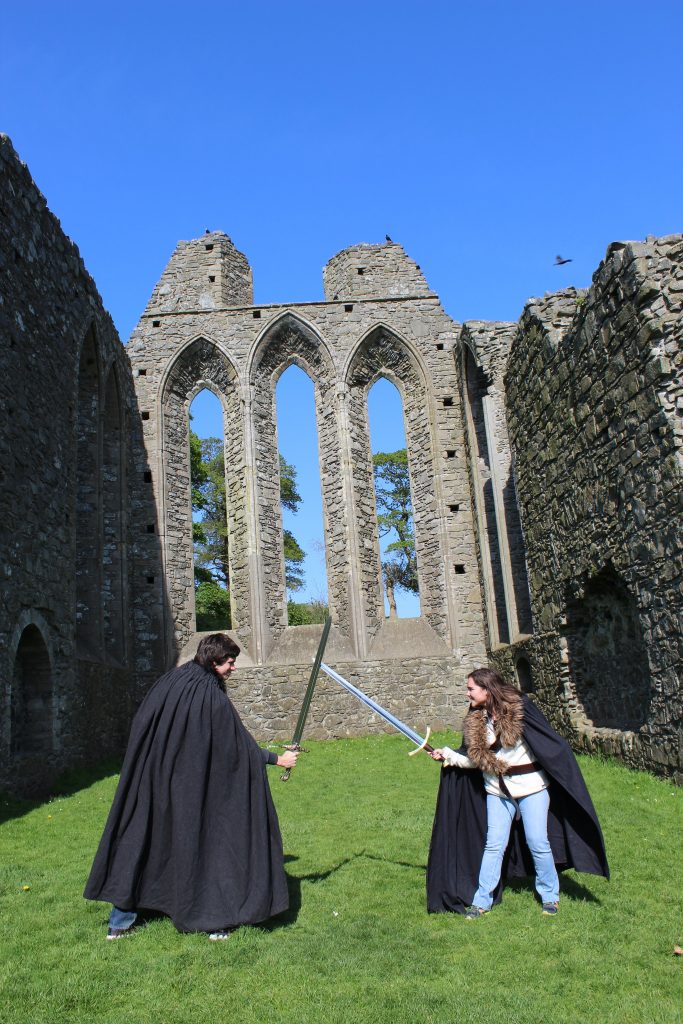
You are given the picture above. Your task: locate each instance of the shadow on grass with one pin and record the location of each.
(289, 916)
(67, 784)
(569, 888)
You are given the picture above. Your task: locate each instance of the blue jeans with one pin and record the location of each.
(500, 815)
(123, 919)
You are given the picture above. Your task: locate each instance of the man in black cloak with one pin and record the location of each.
(460, 822)
(192, 832)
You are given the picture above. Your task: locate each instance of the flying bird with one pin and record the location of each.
(559, 261)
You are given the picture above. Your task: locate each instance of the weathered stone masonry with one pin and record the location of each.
(68, 420)
(594, 406)
(545, 461)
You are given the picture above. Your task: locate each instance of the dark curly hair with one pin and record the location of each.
(215, 649)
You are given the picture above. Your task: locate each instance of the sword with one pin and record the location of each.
(299, 730)
(421, 742)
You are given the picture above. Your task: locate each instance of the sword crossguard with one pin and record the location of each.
(423, 745)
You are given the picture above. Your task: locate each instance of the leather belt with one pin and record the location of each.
(523, 769)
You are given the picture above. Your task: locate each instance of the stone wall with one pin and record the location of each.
(368, 271)
(594, 405)
(344, 347)
(545, 463)
(67, 636)
(484, 350)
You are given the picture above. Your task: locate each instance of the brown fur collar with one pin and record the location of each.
(508, 725)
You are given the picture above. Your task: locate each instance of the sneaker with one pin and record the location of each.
(118, 933)
(474, 912)
(550, 908)
(225, 933)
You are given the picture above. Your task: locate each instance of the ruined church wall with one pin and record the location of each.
(344, 346)
(594, 407)
(66, 404)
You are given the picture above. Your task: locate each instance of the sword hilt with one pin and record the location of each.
(290, 746)
(425, 745)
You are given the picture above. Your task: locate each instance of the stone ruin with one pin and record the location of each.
(545, 465)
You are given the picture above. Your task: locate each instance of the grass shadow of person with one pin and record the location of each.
(570, 888)
(294, 882)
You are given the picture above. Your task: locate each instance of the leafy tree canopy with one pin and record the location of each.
(210, 529)
(395, 518)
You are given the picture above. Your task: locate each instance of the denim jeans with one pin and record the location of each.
(122, 919)
(500, 815)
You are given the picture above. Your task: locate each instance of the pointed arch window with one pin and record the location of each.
(209, 513)
(393, 500)
(32, 705)
(301, 498)
(88, 497)
(113, 547)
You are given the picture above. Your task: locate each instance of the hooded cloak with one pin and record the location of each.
(192, 831)
(459, 832)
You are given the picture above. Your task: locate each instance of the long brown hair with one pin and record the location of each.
(498, 692)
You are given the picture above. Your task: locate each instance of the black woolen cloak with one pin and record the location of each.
(192, 831)
(459, 832)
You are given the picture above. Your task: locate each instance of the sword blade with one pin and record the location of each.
(303, 714)
(415, 737)
(308, 696)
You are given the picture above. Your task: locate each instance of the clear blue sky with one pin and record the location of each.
(486, 137)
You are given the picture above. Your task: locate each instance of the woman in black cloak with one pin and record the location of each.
(192, 832)
(513, 769)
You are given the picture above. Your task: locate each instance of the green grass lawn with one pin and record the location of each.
(357, 944)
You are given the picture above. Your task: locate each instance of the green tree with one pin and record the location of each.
(395, 518)
(210, 531)
(294, 555)
(212, 606)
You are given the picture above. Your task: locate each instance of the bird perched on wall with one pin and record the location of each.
(207, 232)
(387, 238)
(559, 261)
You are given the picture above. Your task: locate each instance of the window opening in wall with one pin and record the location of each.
(31, 718)
(88, 499)
(301, 499)
(393, 501)
(477, 384)
(209, 514)
(524, 677)
(113, 548)
(607, 652)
